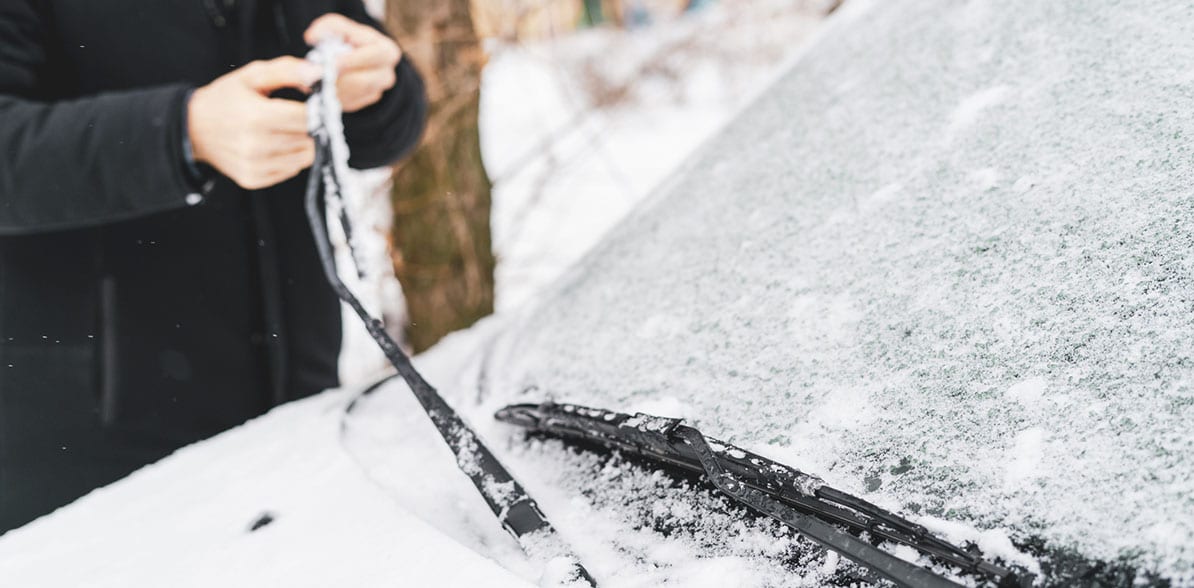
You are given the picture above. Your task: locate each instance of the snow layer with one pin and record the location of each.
(186, 521)
(566, 170)
(631, 527)
(946, 262)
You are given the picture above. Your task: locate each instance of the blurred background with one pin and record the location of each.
(549, 121)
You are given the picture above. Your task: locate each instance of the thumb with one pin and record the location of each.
(281, 72)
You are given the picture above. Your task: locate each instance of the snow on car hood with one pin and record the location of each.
(196, 519)
(945, 262)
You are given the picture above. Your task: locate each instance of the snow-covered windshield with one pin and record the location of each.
(946, 263)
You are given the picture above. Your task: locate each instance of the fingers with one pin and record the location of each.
(283, 72)
(275, 169)
(279, 145)
(278, 115)
(366, 71)
(254, 140)
(382, 54)
(338, 25)
(290, 164)
(360, 89)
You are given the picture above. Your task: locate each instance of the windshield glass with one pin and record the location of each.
(951, 271)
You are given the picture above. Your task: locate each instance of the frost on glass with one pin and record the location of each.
(945, 262)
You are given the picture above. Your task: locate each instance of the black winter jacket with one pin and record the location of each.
(139, 310)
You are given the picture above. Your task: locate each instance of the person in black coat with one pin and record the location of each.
(158, 281)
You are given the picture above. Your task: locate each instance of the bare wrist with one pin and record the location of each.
(195, 125)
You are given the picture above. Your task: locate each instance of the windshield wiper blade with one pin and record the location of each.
(518, 513)
(766, 486)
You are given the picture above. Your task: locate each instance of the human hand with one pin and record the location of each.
(255, 140)
(366, 71)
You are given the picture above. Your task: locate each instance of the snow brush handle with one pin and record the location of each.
(518, 513)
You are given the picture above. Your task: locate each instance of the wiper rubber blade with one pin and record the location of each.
(797, 499)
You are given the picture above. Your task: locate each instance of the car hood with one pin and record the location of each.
(275, 502)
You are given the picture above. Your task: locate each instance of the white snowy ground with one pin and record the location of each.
(382, 503)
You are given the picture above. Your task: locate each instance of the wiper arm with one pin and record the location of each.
(771, 488)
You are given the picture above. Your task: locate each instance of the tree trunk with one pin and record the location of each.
(442, 245)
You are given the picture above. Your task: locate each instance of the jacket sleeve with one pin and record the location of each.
(384, 132)
(81, 162)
